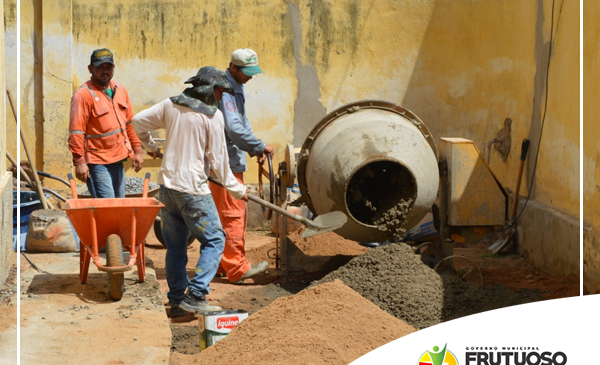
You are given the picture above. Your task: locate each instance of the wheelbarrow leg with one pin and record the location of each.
(84, 263)
(141, 262)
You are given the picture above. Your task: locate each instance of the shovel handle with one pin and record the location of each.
(267, 204)
(277, 209)
(146, 185)
(264, 203)
(524, 149)
(72, 184)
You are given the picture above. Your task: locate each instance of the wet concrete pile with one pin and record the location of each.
(382, 194)
(325, 324)
(395, 279)
(393, 219)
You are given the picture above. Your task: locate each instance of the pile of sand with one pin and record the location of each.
(325, 244)
(325, 324)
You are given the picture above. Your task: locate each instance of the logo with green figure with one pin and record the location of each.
(437, 357)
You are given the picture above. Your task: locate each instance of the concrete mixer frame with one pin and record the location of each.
(455, 184)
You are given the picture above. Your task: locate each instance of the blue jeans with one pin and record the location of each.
(185, 212)
(106, 181)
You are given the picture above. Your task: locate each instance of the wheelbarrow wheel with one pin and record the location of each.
(114, 257)
(159, 236)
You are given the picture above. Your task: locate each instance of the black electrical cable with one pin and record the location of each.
(542, 124)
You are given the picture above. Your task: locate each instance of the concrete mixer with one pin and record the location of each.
(378, 164)
(374, 161)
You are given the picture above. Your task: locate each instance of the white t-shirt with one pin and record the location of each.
(194, 145)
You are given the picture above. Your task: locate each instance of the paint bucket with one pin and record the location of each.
(214, 326)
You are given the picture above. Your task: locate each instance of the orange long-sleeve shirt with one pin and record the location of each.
(100, 130)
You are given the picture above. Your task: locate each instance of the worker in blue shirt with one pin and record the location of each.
(240, 140)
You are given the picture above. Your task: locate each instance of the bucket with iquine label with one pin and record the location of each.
(214, 326)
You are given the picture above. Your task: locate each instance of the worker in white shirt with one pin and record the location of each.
(194, 146)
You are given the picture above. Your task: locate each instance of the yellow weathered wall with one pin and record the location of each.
(591, 145)
(10, 54)
(30, 114)
(557, 181)
(463, 66)
(485, 62)
(169, 41)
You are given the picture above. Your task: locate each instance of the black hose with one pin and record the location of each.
(46, 190)
(45, 174)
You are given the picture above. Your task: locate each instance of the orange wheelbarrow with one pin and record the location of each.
(114, 223)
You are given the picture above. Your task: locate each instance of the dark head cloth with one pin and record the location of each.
(201, 96)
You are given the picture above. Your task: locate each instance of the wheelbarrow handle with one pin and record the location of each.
(146, 185)
(72, 184)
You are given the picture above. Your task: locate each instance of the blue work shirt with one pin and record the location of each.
(238, 133)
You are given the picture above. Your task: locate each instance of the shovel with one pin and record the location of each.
(502, 242)
(324, 223)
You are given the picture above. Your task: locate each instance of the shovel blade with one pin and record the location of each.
(325, 223)
(501, 243)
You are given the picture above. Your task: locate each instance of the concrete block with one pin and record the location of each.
(6, 243)
(591, 259)
(256, 220)
(549, 238)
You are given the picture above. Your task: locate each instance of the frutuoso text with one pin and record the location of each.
(515, 358)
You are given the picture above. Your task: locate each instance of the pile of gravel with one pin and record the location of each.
(8, 290)
(133, 185)
(395, 279)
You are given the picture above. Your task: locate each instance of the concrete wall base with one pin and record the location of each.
(6, 229)
(549, 238)
(591, 260)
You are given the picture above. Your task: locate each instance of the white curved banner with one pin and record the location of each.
(552, 332)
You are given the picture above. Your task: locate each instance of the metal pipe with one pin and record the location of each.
(489, 147)
(38, 185)
(23, 173)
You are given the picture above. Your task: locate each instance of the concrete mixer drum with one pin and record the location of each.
(376, 162)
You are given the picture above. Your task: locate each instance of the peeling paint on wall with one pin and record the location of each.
(308, 110)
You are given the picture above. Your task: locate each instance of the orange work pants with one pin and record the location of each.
(234, 218)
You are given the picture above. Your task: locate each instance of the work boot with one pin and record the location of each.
(253, 271)
(175, 311)
(197, 303)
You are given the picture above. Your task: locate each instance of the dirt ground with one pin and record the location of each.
(8, 318)
(59, 314)
(503, 274)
